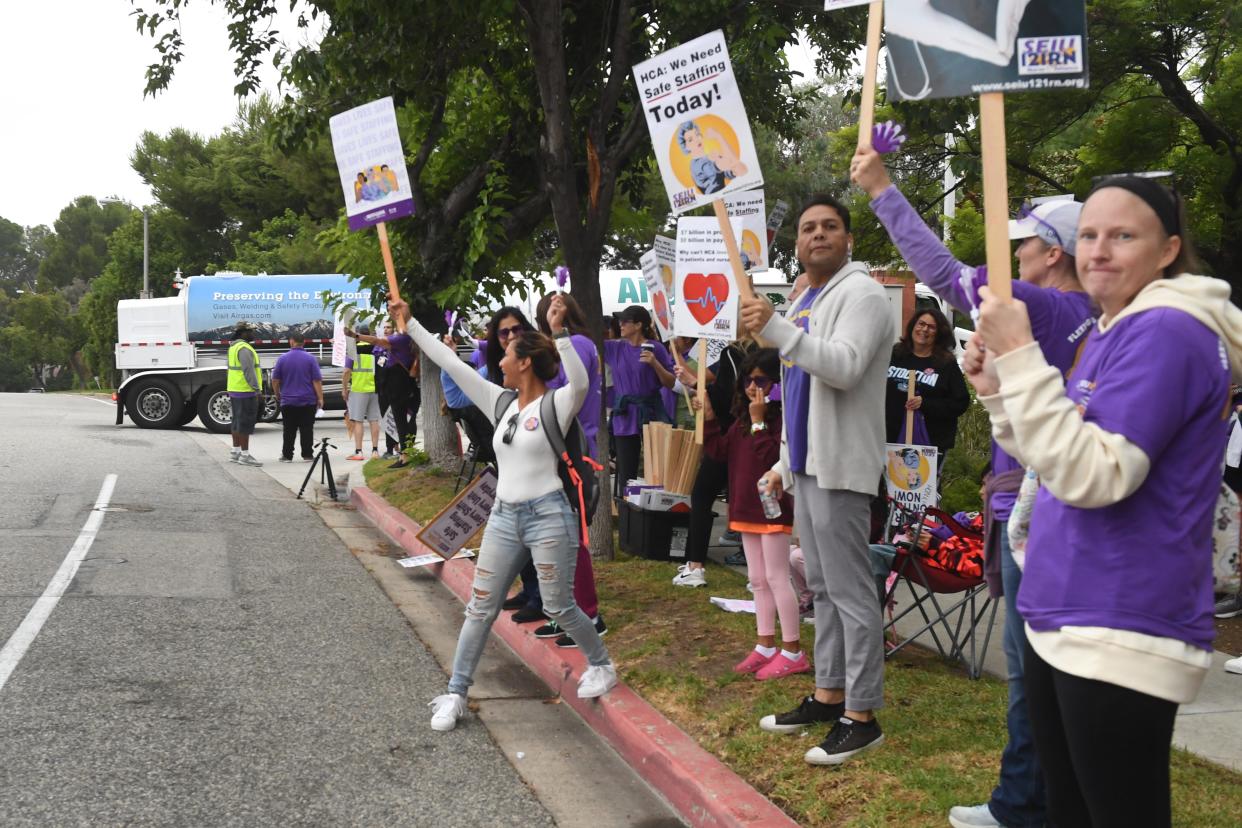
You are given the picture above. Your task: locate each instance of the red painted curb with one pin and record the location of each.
(698, 785)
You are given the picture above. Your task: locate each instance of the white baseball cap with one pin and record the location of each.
(1056, 222)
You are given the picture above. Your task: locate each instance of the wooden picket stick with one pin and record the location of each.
(702, 389)
(389, 268)
(681, 363)
(995, 194)
(910, 411)
(866, 113)
(735, 258)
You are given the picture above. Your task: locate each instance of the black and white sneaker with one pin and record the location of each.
(1230, 607)
(846, 739)
(567, 642)
(809, 712)
(549, 630)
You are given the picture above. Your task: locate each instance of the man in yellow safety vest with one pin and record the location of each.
(245, 390)
(361, 399)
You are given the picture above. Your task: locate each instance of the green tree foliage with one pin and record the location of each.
(287, 243)
(79, 249)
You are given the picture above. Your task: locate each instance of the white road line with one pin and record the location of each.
(108, 403)
(20, 641)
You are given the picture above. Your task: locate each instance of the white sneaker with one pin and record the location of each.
(447, 709)
(690, 578)
(1234, 665)
(248, 459)
(597, 681)
(234, 453)
(973, 816)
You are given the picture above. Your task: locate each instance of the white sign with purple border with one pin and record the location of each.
(371, 163)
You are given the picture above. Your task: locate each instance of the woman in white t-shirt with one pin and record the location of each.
(531, 510)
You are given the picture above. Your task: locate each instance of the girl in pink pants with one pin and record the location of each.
(751, 447)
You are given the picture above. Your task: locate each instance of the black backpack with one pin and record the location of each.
(576, 468)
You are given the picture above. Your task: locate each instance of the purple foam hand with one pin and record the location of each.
(562, 276)
(450, 319)
(887, 137)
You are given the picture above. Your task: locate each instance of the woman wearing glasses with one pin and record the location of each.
(1117, 596)
(531, 511)
(641, 368)
(940, 394)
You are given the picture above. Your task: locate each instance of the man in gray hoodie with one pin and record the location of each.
(835, 346)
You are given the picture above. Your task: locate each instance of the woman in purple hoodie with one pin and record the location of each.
(1117, 597)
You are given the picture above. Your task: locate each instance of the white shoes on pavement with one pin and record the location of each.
(1234, 665)
(973, 816)
(234, 453)
(446, 710)
(688, 577)
(248, 459)
(596, 681)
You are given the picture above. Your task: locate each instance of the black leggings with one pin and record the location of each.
(713, 476)
(1104, 749)
(629, 450)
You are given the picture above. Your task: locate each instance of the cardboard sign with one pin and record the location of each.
(697, 122)
(910, 474)
(775, 219)
(707, 305)
(446, 533)
(752, 243)
(969, 47)
(663, 315)
(371, 163)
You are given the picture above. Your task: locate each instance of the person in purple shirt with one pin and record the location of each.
(392, 451)
(1117, 589)
(641, 368)
(297, 383)
(1061, 315)
(400, 383)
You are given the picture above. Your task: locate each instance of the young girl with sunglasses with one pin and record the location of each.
(751, 447)
(531, 511)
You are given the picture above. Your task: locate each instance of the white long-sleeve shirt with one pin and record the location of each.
(527, 466)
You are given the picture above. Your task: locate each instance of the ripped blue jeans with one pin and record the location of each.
(549, 529)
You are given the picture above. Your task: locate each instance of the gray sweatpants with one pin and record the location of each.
(832, 525)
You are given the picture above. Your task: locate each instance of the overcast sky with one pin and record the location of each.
(71, 105)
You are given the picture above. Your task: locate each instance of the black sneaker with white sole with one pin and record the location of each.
(809, 712)
(567, 642)
(549, 630)
(847, 738)
(1229, 607)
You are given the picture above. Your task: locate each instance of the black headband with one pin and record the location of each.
(1159, 198)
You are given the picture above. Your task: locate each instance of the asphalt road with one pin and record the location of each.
(219, 657)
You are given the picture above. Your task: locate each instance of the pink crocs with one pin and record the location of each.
(754, 662)
(781, 665)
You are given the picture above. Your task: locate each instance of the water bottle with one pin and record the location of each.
(771, 504)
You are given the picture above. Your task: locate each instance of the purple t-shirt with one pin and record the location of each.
(401, 349)
(796, 388)
(1060, 320)
(589, 415)
(1160, 378)
(631, 378)
(297, 372)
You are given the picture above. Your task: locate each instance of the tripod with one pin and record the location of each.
(325, 471)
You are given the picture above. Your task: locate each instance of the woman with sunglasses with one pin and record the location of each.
(641, 369)
(531, 511)
(1117, 597)
(940, 394)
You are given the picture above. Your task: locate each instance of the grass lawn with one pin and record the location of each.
(943, 732)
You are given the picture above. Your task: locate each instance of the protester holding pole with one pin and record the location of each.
(1117, 597)
(531, 509)
(835, 348)
(1061, 315)
(938, 395)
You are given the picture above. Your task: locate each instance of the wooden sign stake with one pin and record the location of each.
(866, 114)
(910, 411)
(681, 363)
(702, 389)
(995, 193)
(735, 258)
(389, 269)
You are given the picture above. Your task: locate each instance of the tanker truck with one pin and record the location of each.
(173, 352)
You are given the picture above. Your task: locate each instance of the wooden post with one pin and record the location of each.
(389, 269)
(681, 363)
(735, 258)
(866, 107)
(909, 411)
(702, 391)
(995, 193)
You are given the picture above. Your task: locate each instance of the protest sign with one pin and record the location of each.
(753, 241)
(910, 475)
(371, 163)
(666, 252)
(776, 218)
(706, 289)
(697, 122)
(650, 262)
(968, 47)
(452, 528)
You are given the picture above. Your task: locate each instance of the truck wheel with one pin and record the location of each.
(154, 403)
(188, 414)
(214, 409)
(271, 410)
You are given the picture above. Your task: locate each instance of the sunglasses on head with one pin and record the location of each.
(1027, 210)
(505, 333)
(510, 430)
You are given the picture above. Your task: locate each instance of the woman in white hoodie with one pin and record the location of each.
(1117, 593)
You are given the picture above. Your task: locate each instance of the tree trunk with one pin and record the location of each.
(601, 525)
(440, 439)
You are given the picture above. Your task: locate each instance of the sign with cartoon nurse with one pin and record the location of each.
(910, 475)
(666, 257)
(707, 293)
(656, 293)
(753, 242)
(371, 163)
(697, 121)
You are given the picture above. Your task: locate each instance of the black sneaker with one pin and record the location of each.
(567, 642)
(516, 602)
(526, 615)
(736, 559)
(847, 738)
(549, 630)
(809, 712)
(1230, 607)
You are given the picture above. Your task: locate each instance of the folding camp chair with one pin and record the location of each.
(953, 607)
(479, 449)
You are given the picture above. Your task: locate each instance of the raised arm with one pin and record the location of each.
(481, 392)
(569, 398)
